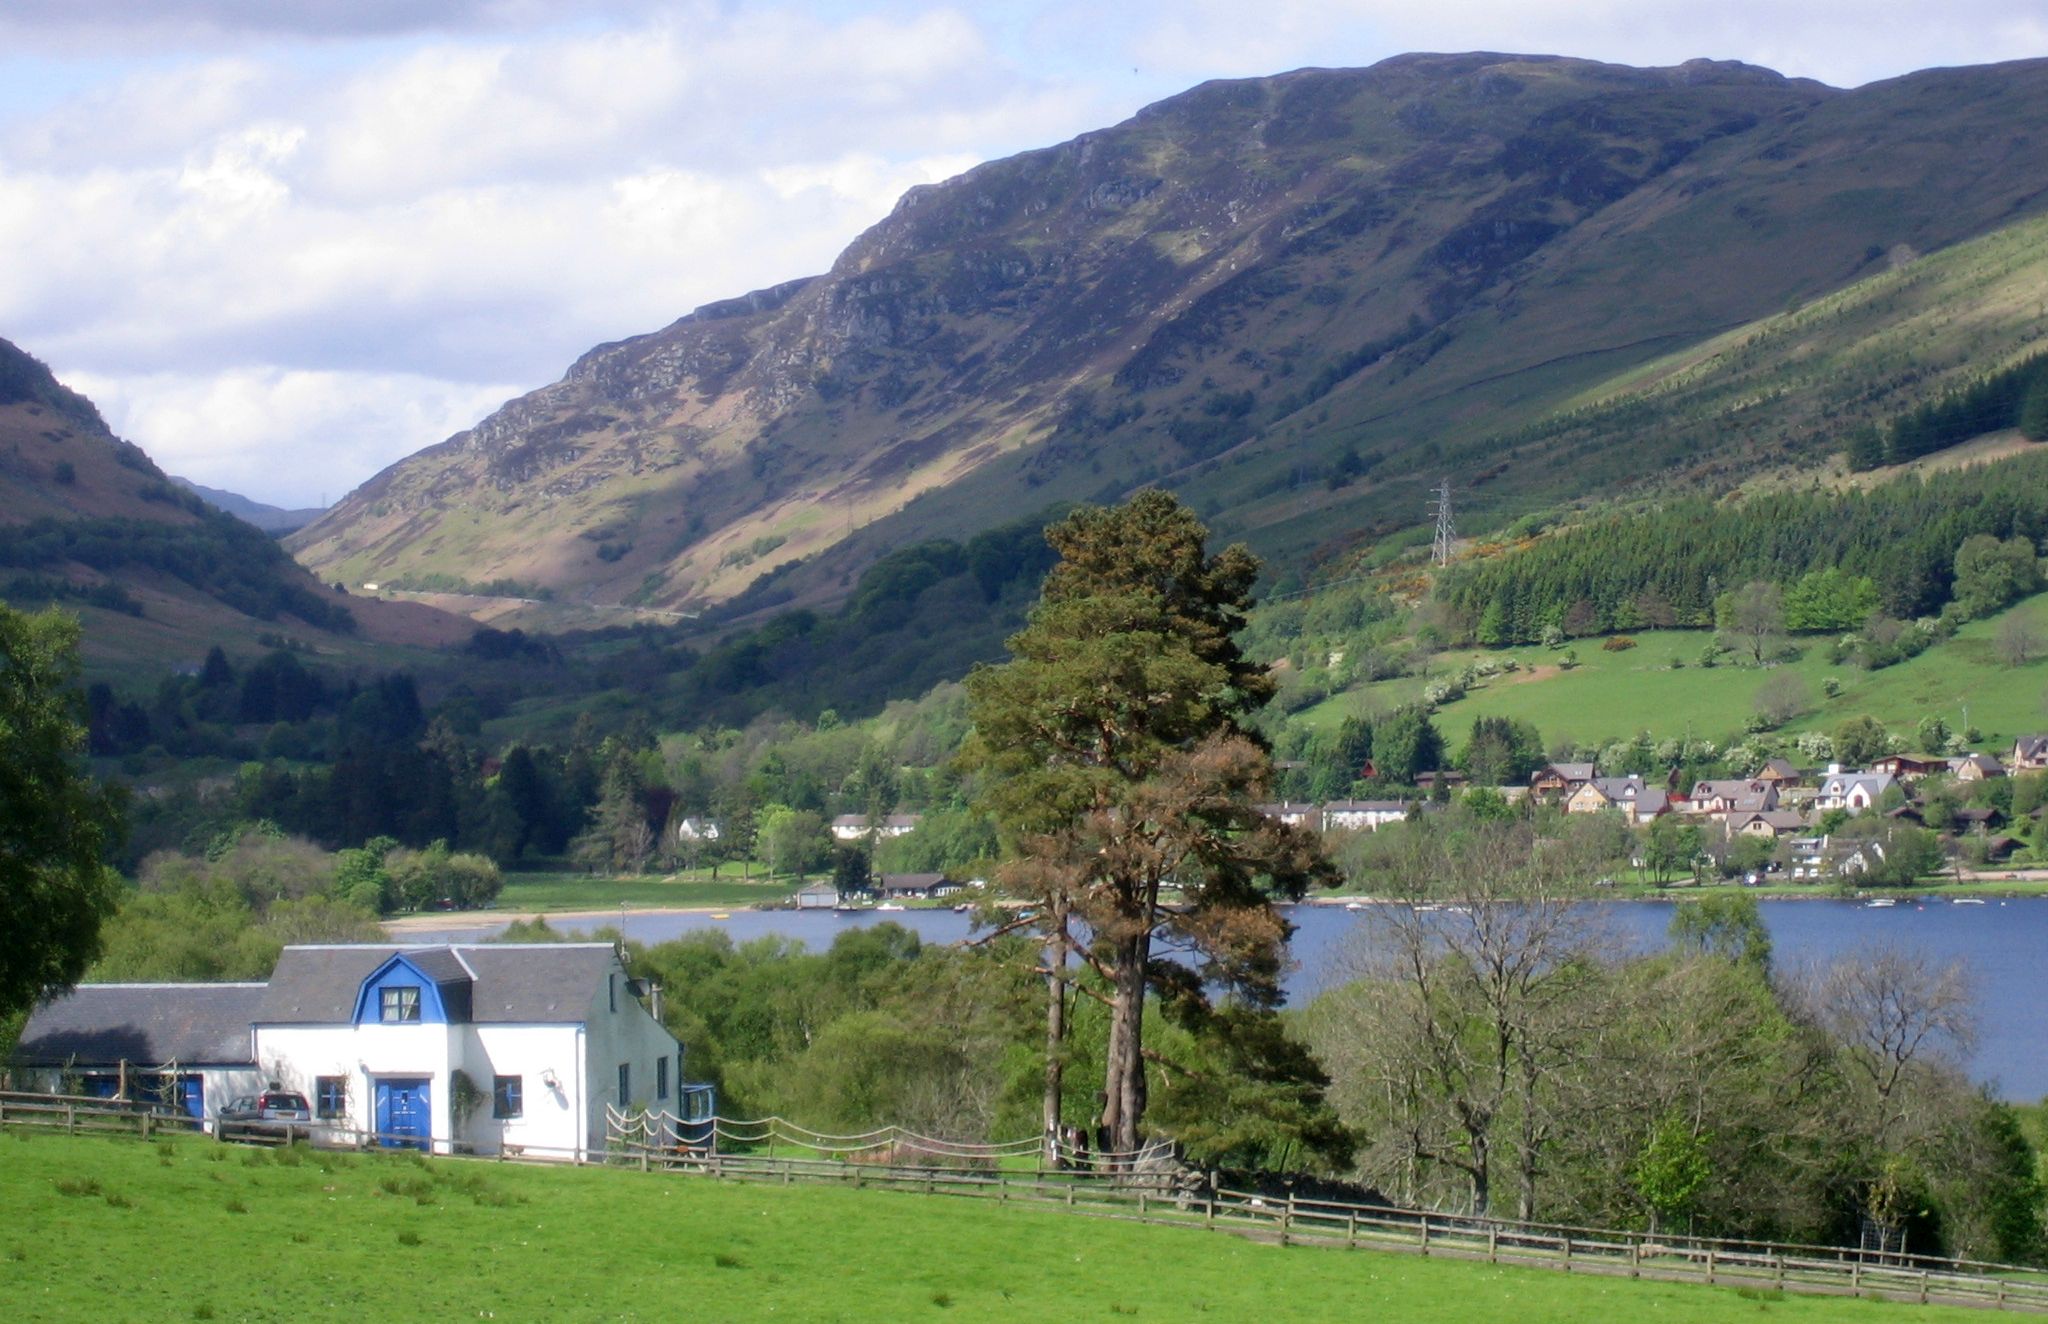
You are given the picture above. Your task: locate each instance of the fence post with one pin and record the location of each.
(70, 1119)
(1923, 1287)
(1351, 1231)
(1710, 1264)
(1141, 1203)
(1635, 1258)
(1856, 1276)
(1567, 1253)
(1780, 1256)
(1492, 1244)
(1287, 1219)
(1425, 1234)
(1209, 1210)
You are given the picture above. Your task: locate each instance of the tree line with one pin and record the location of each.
(1667, 565)
(1500, 1051)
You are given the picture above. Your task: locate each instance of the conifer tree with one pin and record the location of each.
(1120, 765)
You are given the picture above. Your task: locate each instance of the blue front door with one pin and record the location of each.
(189, 1093)
(403, 1118)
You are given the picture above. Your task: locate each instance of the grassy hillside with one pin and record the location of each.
(115, 1230)
(90, 523)
(1614, 695)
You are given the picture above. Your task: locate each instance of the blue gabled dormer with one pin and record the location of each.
(428, 987)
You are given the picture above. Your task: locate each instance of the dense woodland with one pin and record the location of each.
(1669, 564)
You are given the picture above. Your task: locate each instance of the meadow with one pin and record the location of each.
(180, 1229)
(1658, 686)
(547, 892)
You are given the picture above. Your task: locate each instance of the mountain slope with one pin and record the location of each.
(1292, 298)
(88, 521)
(270, 519)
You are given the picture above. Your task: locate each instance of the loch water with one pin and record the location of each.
(2003, 944)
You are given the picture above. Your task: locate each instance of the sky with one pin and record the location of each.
(284, 243)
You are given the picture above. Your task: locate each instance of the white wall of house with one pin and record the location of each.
(550, 1115)
(295, 1055)
(632, 1036)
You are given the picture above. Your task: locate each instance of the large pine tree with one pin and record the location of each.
(1119, 765)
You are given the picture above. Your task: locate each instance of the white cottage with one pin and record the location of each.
(488, 1047)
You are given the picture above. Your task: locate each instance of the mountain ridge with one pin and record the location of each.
(90, 522)
(1252, 279)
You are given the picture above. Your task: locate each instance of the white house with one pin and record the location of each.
(531, 1040)
(852, 827)
(1362, 815)
(1853, 791)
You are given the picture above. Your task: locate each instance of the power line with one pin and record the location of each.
(1446, 531)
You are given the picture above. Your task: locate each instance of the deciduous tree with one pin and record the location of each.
(54, 819)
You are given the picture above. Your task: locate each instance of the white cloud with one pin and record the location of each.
(285, 435)
(354, 219)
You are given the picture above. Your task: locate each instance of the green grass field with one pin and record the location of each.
(1610, 696)
(106, 1229)
(578, 891)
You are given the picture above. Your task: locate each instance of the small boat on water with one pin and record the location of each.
(1880, 903)
(1354, 905)
(1966, 901)
(888, 905)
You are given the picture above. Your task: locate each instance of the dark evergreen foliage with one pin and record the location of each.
(1903, 536)
(1987, 405)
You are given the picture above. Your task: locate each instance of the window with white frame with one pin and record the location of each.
(399, 1003)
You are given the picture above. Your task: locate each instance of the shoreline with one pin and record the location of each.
(434, 920)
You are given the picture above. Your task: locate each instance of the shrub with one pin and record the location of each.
(1618, 644)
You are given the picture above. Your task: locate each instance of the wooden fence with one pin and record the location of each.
(1149, 1198)
(1162, 1198)
(84, 1115)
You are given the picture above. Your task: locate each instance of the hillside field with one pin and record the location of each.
(116, 1229)
(1612, 695)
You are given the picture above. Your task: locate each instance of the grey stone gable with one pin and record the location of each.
(146, 1024)
(504, 983)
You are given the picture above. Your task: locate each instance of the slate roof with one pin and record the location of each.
(506, 983)
(147, 1024)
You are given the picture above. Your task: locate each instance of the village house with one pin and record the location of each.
(1294, 815)
(853, 827)
(696, 829)
(1599, 793)
(1771, 823)
(1909, 767)
(1717, 799)
(1806, 858)
(1554, 781)
(1779, 773)
(1975, 768)
(479, 1048)
(1361, 815)
(911, 886)
(1853, 791)
(2029, 754)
